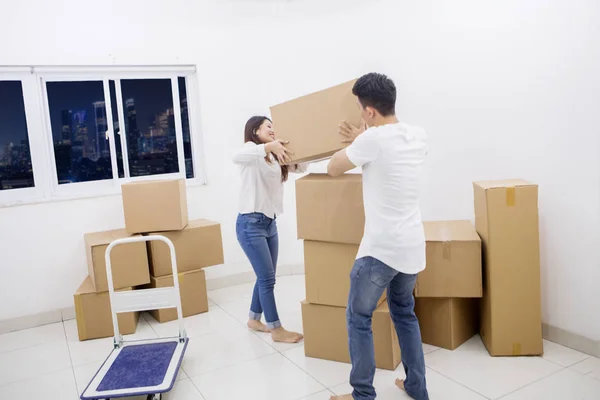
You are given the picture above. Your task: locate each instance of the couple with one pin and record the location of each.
(392, 250)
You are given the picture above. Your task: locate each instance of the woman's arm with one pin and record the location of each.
(250, 153)
(299, 168)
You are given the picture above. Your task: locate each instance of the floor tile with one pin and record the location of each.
(324, 395)
(33, 362)
(213, 321)
(222, 349)
(562, 355)
(493, 377)
(231, 293)
(268, 378)
(32, 337)
(54, 386)
(89, 351)
(563, 385)
(427, 348)
(438, 386)
(328, 373)
(589, 366)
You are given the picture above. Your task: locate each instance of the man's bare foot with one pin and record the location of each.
(283, 336)
(344, 397)
(400, 384)
(257, 326)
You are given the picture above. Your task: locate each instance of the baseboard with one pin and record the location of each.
(571, 340)
(68, 313)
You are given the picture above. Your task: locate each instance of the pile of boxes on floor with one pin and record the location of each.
(150, 208)
(482, 279)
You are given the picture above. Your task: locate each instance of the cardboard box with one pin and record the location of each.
(155, 206)
(326, 335)
(453, 261)
(506, 218)
(311, 123)
(198, 245)
(330, 209)
(129, 261)
(327, 272)
(194, 297)
(447, 323)
(94, 319)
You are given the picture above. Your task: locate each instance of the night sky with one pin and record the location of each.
(13, 125)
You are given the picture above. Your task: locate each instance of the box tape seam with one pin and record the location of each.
(516, 349)
(510, 196)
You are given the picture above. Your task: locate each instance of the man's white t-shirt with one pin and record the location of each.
(391, 157)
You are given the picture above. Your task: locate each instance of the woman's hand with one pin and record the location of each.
(277, 148)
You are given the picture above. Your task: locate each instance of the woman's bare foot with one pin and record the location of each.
(344, 397)
(283, 336)
(257, 326)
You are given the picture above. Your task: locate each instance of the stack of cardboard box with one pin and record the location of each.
(158, 208)
(447, 292)
(331, 221)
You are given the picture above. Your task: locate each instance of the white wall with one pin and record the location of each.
(505, 90)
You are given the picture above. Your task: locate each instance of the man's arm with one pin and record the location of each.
(339, 164)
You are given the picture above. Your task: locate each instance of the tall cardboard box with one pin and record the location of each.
(129, 261)
(327, 272)
(506, 218)
(311, 123)
(326, 335)
(155, 206)
(192, 289)
(197, 246)
(453, 261)
(93, 315)
(330, 209)
(447, 323)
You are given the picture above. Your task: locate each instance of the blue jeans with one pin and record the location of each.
(257, 234)
(368, 279)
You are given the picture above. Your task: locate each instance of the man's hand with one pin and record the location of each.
(350, 132)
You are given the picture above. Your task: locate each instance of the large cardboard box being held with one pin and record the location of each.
(192, 289)
(506, 218)
(453, 261)
(129, 261)
(197, 246)
(311, 123)
(326, 336)
(327, 272)
(94, 319)
(447, 323)
(155, 206)
(330, 209)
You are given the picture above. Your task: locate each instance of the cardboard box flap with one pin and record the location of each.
(200, 223)
(104, 238)
(506, 183)
(86, 287)
(445, 231)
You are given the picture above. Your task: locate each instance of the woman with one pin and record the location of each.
(262, 165)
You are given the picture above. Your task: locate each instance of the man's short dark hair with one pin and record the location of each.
(377, 91)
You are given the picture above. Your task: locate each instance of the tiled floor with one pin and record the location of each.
(225, 361)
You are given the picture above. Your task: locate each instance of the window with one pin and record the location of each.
(92, 129)
(16, 171)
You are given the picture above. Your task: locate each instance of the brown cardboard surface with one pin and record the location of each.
(327, 272)
(129, 261)
(192, 289)
(506, 218)
(326, 337)
(198, 245)
(94, 319)
(453, 261)
(155, 206)
(447, 323)
(311, 123)
(330, 209)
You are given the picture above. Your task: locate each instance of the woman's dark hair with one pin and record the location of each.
(377, 91)
(251, 135)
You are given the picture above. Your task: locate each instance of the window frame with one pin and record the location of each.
(41, 140)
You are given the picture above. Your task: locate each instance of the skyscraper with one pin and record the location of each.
(67, 126)
(102, 145)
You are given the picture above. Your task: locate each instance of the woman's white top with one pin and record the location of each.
(261, 189)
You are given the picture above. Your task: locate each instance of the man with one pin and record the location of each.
(392, 250)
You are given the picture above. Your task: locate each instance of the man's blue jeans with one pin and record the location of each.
(257, 234)
(368, 279)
